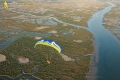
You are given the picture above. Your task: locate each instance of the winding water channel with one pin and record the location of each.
(108, 46)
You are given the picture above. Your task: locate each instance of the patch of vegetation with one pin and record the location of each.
(58, 69)
(17, 25)
(112, 19)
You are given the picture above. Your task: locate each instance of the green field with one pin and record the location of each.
(65, 36)
(58, 68)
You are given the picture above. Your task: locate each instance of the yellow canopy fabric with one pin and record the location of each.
(47, 43)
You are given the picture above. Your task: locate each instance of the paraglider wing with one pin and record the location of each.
(48, 48)
(50, 43)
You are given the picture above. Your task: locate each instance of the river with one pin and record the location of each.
(108, 46)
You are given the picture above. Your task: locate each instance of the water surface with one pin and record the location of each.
(108, 47)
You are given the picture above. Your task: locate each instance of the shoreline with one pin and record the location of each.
(91, 75)
(112, 32)
(93, 68)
